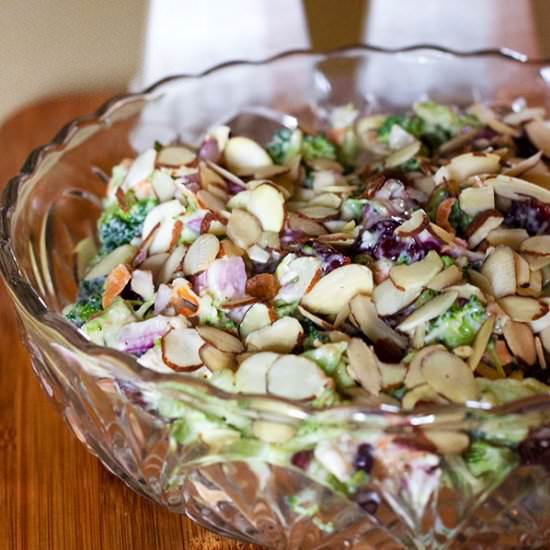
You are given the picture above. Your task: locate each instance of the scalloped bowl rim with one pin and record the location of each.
(36, 308)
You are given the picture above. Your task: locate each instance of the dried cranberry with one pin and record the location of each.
(369, 501)
(364, 460)
(302, 459)
(531, 215)
(329, 256)
(535, 449)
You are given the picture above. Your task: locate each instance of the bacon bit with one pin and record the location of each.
(176, 233)
(263, 286)
(141, 253)
(185, 301)
(115, 283)
(443, 213)
(502, 353)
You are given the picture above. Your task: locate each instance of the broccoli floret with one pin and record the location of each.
(459, 219)
(411, 124)
(458, 325)
(315, 147)
(117, 226)
(88, 301)
(284, 145)
(483, 458)
(436, 115)
(348, 150)
(313, 336)
(439, 194)
(447, 261)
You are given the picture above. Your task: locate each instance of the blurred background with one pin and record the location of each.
(63, 46)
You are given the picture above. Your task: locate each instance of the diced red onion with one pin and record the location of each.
(226, 277)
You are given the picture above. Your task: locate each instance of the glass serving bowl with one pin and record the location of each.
(225, 478)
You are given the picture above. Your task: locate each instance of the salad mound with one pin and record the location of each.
(396, 259)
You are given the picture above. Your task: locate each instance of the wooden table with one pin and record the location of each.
(54, 495)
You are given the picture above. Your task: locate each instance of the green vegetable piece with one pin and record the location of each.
(316, 147)
(411, 124)
(439, 194)
(88, 301)
(459, 219)
(483, 458)
(284, 145)
(352, 209)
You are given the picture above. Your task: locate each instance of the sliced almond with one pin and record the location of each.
(499, 268)
(282, 336)
(164, 211)
(295, 377)
(202, 252)
(521, 341)
(257, 317)
(545, 339)
(536, 246)
(432, 309)
(172, 264)
(518, 189)
(180, 349)
(481, 282)
(474, 200)
(115, 283)
(515, 118)
(210, 201)
(268, 172)
(539, 134)
(154, 264)
(244, 156)
(418, 274)
(464, 352)
(507, 237)
(321, 323)
(414, 375)
(85, 251)
(363, 366)
(523, 274)
(163, 185)
(337, 288)
(536, 261)
(142, 284)
(266, 202)
(365, 315)
(392, 374)
(482, 225)
(463, 166)
(448, 442)
(319, 212)
(480, 343)
(540, 353)
(240, 200)
(423, 393)
(540, 324)
(388, 299)
(441, 233)
(221, 339)
(403, 155)
(215, 359)
(416, 223)
(251, 376)
(272, 432)
(263, 286)
(184, 300)
(450, 376)
(466, 291)
(449, 276)
(174, 156)
(243, 228)
(121, 255)
(523, 165)
(533, 287)
(310, 227)
(523, 309)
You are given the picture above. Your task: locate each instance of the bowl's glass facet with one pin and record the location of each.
(242, 490)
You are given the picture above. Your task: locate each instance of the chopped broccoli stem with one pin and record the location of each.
(88, 301)
(315, 147)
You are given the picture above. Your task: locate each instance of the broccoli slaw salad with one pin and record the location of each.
(394, 260)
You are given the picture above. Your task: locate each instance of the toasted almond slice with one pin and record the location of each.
(418, 274)
(263, 286)
(534, 286)
(268, 172)
(363, 366)
(171, 265)
(499, 268)
(432, 309)
(480, 343)
(445, 278)
(443, 213)
(540, 324)
(403, 155)
(388, 299)
(163, 185)
(516, 118)
(523, 309)
(319, 212)
(337, 288)
(540, 353)
(121, 255)
(443, 234)
(521, 341)
(423, 393)
(450, 376)
(545, 339)
(240, 200)
(243, 228)
(180, 349)
(244, 156)
(523, 274)
(329, 200)
(466, 291)
(215, 359)
(482, 225)
(257, 317)
(518, 189)
(201, 254)
(464, 352)
(536, 261)
(142, 284)
(184, 300)
(537, 246)
(416, 223)
(210, 201)
(447, 442)
(229, 248)
(523, 165)
(221, 339)
(342, 316)
(414, 375)
(364, 313)
(474, 200)
(296, 377)
(307, 226)
(315, 319)
(392, 374)
(507, 237)
(251, 376)
(282, 336)
(210, 178)
(539, 134)
(266, 202)
(272, 432)
(161, 212)
(116, 281)
(480, 281)
(419, 337)
(174, 156)
(463, 166)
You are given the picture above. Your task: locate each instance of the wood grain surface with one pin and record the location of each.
(54, 495)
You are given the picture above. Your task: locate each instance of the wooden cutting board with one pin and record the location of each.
(54, 495)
